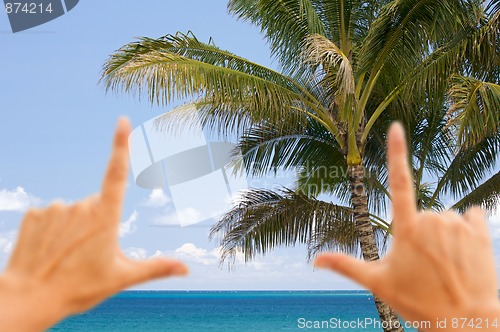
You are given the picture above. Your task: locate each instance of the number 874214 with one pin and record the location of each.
(27, 8)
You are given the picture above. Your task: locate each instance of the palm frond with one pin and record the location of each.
(265, 219)
(475, 109)
(264, 148)
(469, 167)
(426, 80)
(201, 116)
(486, 195)
(322, 240)
(412, 49)
(284, 23)
(425, 200)
(405, 29)
(320, 51)
(483, 50)
(181, 66)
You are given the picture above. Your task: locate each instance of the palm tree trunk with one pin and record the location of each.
(367, 239)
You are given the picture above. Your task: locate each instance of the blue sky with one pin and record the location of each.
(57, 122)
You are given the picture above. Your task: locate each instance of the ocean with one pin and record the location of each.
(221, 311)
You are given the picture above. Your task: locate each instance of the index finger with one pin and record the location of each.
(400, 179)
(115, 179)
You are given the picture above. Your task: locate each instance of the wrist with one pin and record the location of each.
(26, 305)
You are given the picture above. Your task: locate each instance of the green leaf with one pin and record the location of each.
(263, 220)
(475, 109)
(486, 195)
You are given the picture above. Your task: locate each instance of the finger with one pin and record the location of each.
(115, 180)
(400, 178)
(476, 217)
(29, 238)
(31, 229)
(352, 268)
(142, 271)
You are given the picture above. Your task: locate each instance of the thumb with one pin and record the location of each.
(142, 271)
(352, 268)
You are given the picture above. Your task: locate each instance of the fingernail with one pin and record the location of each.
(397, 128)
(123, 124)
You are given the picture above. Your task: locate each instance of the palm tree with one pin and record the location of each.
(344, 65)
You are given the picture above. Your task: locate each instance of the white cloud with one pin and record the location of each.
(16, 200)
(136, 253)
(190, 252)
(157, 198)
(169, 218)
(6, 245)
(128, 227)
(7, 240)
(158, 253)
(183, 217)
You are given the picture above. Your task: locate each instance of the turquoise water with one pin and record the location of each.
(188, 311)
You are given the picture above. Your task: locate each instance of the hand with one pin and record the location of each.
(440, 266)
(67, 258)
